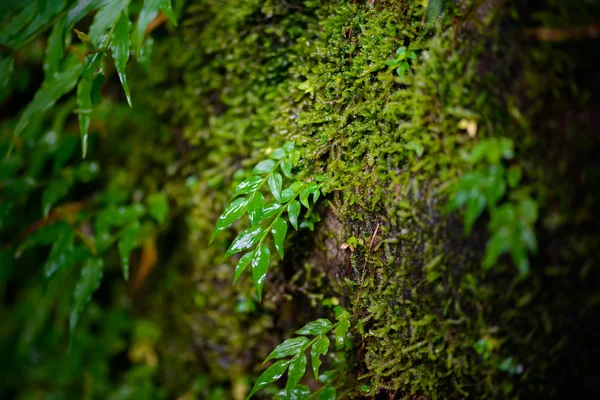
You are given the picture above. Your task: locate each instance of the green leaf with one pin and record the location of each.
(497, 245)
(275, 182)
(54, 49)
(300, 392)
(242, 264)
(271, 210)
(327, 393)
(147, 15)
(316, 327)
(245, 240)
(287, 195)
(105, 19)
(247, 186)
(278, 154)
(296, 371)
(255, 208)
(286, 167)
(293, 212)
(475, 206)
(120, 46)
(290, 347)
(528, 210)
(59, 254)
(81, 9)
(127, 242)
(84, 104)
(231, 214)
(264, 167)
(260, 266)
(279, 230)
(321, 346)
(88, 283)
(340, 332)
(158, 206)
(288, 146)
(48, 94)
(86, 40)
(57, 189)
(272, 373)
(7, 67)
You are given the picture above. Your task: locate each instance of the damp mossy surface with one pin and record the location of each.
(242, 77)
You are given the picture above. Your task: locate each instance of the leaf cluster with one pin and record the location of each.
(484, 187)
(401, 62)
(66, 65)
(291, 357)
(288, 194)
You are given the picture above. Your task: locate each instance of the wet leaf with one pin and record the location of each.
(340, 332)
(255, 208)
(245, 240)
(242, 264)
(248, 186)
(277, 154)
(320, 347)
(293, 212)
(286, 167)
(105, 19)
(231, 214)
(260, 266)
(89, 282)
(275, 183)
(264, 167)
(279, 231)
(272, 373)
(290, 347)
(120, 46)
(271, 210)
(327, 393)
(54, 49)
(316, 327)
(296, 371)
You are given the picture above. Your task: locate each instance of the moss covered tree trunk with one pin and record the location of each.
(460, 222)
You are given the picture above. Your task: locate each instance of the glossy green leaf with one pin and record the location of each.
(50, 91)
(105, 19)
(264, 167)
(290, 347)
(120, 46)
(232, 213)
(286, 167)
(255, 208)
(127, 242)
(88, 283)
(58, 188)
(245, 240)
(321, 346)
(272, 373)
(147, 15)
(279, 231)
(158, 206)
(327, 393)
(86, 40)
(287, 195)
(340, 332)
(293, 212)
(288, 146)
(81, 9)
(271, 209)
(300, 392)
(316, 327)
(278, 154)
(260, 266)
(242, 264)
(296, 371)
(248, 186)
(275, 183)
